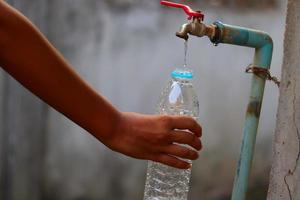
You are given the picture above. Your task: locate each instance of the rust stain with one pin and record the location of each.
(235, 36)
(254, 107)
(229, 34)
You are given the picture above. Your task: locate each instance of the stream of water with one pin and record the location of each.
(185, 53)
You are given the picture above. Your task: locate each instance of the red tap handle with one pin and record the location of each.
(191, 13)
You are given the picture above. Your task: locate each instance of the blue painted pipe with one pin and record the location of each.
(263, 45)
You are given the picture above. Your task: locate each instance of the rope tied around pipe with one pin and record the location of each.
(263, 73)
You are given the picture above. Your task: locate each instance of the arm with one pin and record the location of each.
(27, 56)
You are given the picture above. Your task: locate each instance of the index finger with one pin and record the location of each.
(186, 123)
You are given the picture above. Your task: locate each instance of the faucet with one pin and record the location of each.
(196, 28)
(219, 32)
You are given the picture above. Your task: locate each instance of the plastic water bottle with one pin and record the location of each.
(178, 98)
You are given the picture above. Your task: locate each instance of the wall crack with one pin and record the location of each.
(291, 172)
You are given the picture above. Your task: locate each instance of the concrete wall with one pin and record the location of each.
(285, 174)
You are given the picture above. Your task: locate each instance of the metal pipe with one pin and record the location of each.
(263, 45)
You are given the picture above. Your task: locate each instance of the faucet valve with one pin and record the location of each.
(191, 13)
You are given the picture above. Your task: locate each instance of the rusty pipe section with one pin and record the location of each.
(263, 45)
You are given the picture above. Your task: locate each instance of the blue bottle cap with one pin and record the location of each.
(181, 73)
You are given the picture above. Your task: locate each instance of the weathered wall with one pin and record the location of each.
(285, 174)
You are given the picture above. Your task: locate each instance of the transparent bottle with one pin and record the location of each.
(178, 98)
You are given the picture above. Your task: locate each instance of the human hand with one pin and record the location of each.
(157, 138)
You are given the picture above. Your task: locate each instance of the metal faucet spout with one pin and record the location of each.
(196, 28)
(184, 30)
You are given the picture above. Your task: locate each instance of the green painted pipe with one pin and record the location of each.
(263, 45)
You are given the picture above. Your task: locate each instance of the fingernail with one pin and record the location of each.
(187, 166)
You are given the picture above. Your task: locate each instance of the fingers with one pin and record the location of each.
(184, 137)
(171, 161)
(184, 122)
(180, 151)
